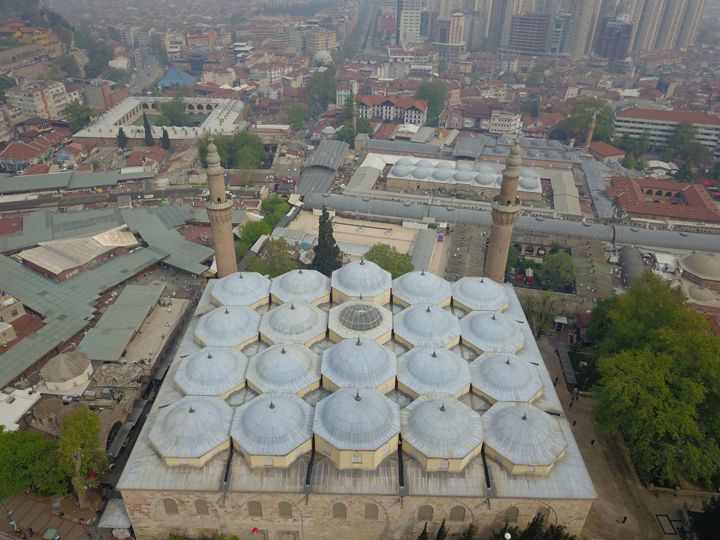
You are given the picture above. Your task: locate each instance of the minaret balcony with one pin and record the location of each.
(218, 205)
(506, 207)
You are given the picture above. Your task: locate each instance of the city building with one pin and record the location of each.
(408, 22)
(585, 15)
(45, 99)
(504, 123)
(529, 33)
(646, 36)
(689, 28)
(319, 39)
(393, 108)
(613, 38)
(659, 125)
(10, 308)
(672, 21)
(103, 95)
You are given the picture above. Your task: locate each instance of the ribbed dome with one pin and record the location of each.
(228, 326)
(191, 427)
(405, 162)
(463, 176)
(293, 323)
(701, 294)
(479, 294)
(272, 424)
(306, 286)
(361, 278)
(421, 172)
(492, 332)
(65, 366)
(485, 179)
(442, 174)
(359, 362)
(703, 265)
(441, 427)
(360, 316)
(241, 289)
(426, 326)
(505, 377)
(444, 165)
(464, 166)
(485, 169)
(212, 371)
(356, 419)
(284, 368)
(529, 180)
(523, 434)
(400, 171)
(425, 370)
(424, 163)
(421, 288)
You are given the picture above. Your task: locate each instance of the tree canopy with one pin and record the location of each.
(434, 93)
(297, 114)
(327, 253)
(537, 529)
(558, 271)
(577, 122)
(173, 113)
(77, 114)
(28, 461)
(241, 150)
(148, 131)
(274, 208)
(635, 150)
(121, 138)
(321, 91)
(69, 65)
(683, 147)
(390, 259)
(165, 140)
(540, 311)
(659, 388)
(274, 260)
(707, 524)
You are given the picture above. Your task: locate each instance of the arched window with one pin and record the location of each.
(511, 515)
(371, 511)
(425, 513)
(339, 511)
(170, 507)
(254, 509)
(457, 513)
(285, 510)
(544, 512)
(201, 508)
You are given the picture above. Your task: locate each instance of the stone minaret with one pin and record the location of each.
(219, 209)
(591, 130)
(505, 209)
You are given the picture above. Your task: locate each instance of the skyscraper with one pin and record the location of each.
(505, 210)
(457, 29)
(646, 36)
(219, 209)
(633, 9)
(671, 22)
(585, 15)
(501, 19)
(691, 21)
(613, 37)
(408, 22)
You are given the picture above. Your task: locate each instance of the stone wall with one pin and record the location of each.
(318, 517)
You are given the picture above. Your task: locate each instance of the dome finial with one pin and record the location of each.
(299, 270)
(272, 405)
(493, 317)
(227, 312)
(209, 355)
(358, 341)
(292, 305)
(191, 410)
(427, 310)
(434, 354)
(283, 351)
(482, 279)
(240, 275)
(524, 416)
(362, 259)
(357, 395)
(422, 273)
(442, 407)
(507, 362)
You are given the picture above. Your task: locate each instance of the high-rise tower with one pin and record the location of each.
(219, 209)
(505, 209)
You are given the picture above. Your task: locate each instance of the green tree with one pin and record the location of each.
(274, 261)
(347, 133)
(390, 259)
(165, 140)
(558, 272)
(470, 533)
(683, 147)
(5, 83)
(434, 92)
(659, 365)
(79, 452)
(327, 253)
(69, 65)
(247, 158)
(540, 311)
(424, 533)
(122, 139)
(442, 531)
(297, 114)
(28, 461)
(158, 49)
(174, 113)
(577, 122)
(77, 114)
(148, 131)
(707, 524)
(321, 91)
(512, 262)
(537, 529)
(229, 148)
(635, 150)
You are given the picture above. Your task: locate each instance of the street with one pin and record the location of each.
(147, 71)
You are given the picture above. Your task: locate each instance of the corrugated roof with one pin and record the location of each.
(422, 249)
(329, 154)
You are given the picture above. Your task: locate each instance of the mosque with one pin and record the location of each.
(308, 408)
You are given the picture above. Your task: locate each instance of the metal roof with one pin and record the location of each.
(422, 249)
(227, 326)
(361, 278)
(67, 180)
(241, 289)
(284, 368)
(329, 154)
(315, 180)
(380, 145)
(492, 332)
(505, 377)
(358, 318)
(427, 370)
(300, 286)
(421, 287)
(294, 323)
(426, 326)
(479, 294)
(212, 371)
(358, 363)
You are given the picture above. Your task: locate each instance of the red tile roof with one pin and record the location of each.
(604, 149)
(21, 151)
(696, 204)
(400, 102)
(670, 116)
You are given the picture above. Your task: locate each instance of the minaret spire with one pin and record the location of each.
(505, 209)
(219, 209)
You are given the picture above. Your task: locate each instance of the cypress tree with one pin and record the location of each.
(423, 534)
(122, 139)
(165, 141)
(148, 131)
(442, 531)
(327, 252)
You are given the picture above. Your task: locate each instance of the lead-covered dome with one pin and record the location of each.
(229, 326)
(479, 294)
(241, 289)
(192, 430)
(426, 370)
(284, 368)
(357, 419)
(360, 318)
(440, 427)
(298, 323)
(400, 171)
(463, 176)
(421, 173)
(303, 286)
(442, 175)
(212, 371)
(361, 279)
(426, 326)
(704, 266)
(486, 331)
(404, 162)
(505, 377)
(421, 288)
(464, 166)
(523, 438)
(360, 363)
(273, 424)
